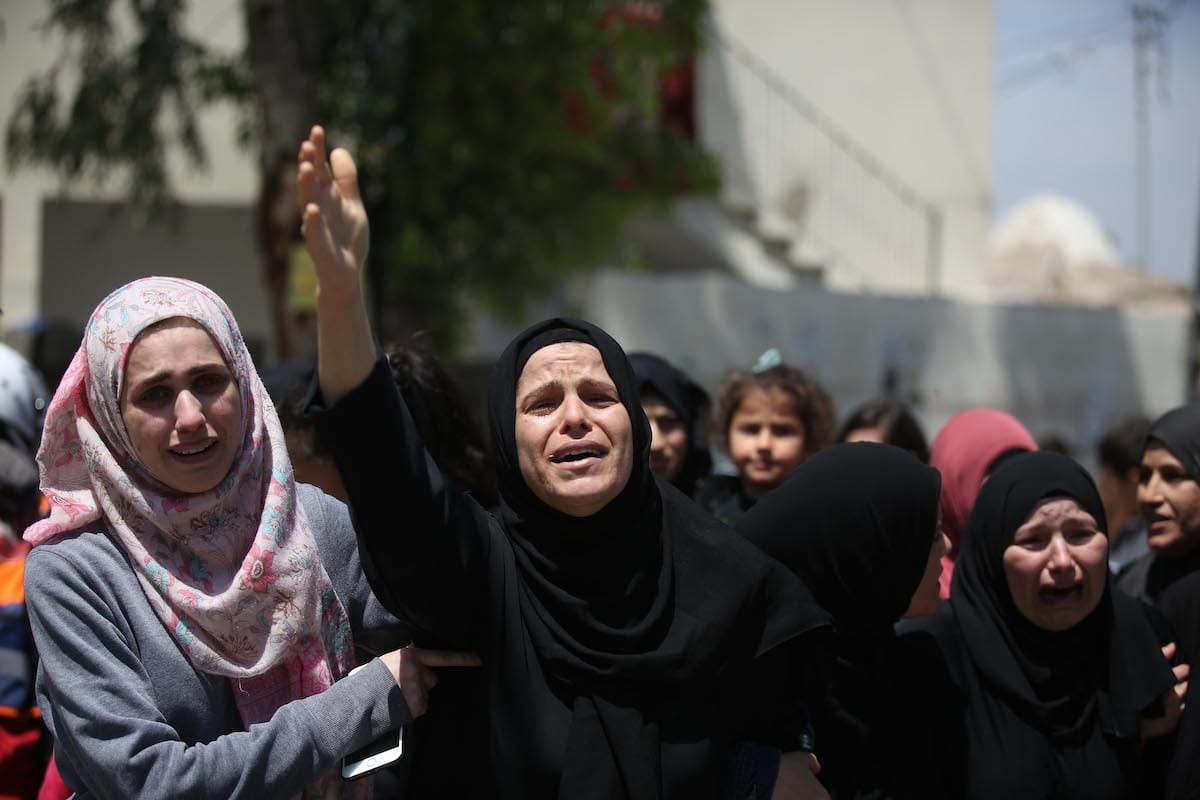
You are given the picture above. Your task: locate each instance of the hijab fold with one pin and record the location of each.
(635, 607)
(233, 573)
(1105, 670)
(855, 523)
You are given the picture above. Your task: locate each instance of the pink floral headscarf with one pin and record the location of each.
(233, 573)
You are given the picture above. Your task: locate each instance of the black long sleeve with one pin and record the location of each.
(423, 542)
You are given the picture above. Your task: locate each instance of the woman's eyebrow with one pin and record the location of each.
(599, 383)
(163, 374)
(539, 389)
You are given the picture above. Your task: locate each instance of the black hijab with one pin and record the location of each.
(656, 375)
(1176, 585)
(635, 609)
(1106, 669)
(1179, 432)
(855, 523)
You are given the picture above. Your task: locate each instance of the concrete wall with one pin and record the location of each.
(909, 81)
(1071, 371)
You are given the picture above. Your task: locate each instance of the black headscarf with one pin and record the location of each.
(633, 608)
(1106, 669)
(1179, 432)
(855, 523)
(656, 375)
(1176, 584)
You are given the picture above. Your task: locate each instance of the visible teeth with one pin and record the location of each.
(192, 451)
(579, 456)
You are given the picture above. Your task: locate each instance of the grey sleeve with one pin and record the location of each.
(100, 705)
(375, 630)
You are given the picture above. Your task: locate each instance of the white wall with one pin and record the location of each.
(909, 80)
(230, 180)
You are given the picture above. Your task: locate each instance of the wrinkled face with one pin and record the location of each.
(1170, 502)
(181, 406)
(669, 442)
(1057, 565)
(574, 438)
(871, 434)
(766, 439)
(925, 599)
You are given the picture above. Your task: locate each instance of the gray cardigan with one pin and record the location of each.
(130, 715)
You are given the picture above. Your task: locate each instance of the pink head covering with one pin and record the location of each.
(233, 573)
(964, 451)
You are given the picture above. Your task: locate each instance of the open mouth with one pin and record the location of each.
(1066, 594)
(195, 451)
(575, 456)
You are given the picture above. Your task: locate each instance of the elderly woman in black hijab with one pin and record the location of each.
(677, 408)
(629, 642)
(1042, 678)
(858, 523)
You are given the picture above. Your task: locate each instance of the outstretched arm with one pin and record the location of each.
(426, 567)
(336, 233)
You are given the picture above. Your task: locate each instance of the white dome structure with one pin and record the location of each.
(1055, 230)
(1051, 249)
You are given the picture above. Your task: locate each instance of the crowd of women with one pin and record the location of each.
(600, 616)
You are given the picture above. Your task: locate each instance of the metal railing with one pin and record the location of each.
(806, 181)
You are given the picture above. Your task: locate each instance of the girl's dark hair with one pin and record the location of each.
(447, 429)
(813, 404)
(897, 424)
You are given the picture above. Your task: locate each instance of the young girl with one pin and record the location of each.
(770, 419)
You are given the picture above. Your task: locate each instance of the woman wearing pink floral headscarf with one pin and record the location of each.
(193, 606)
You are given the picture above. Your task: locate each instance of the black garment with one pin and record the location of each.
(656, 375)
(1045, 715)
(1149, 576)
(1180, 604)
(856, 523)
(624, 653)
(1179, 431)
(722, 496)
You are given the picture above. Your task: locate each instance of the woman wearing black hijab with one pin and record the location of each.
(1169, 497)
(858, 524)
(1180, 604)
(629, 642)
(1042, 675)
(678, 410)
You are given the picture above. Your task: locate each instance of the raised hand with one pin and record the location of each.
(333, 219)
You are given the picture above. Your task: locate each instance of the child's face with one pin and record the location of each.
(766, 439)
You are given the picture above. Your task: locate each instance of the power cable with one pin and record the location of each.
(1061, 36)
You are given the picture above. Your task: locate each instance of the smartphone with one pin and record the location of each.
(387, 749)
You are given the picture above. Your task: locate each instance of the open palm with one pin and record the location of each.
(334, 221)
